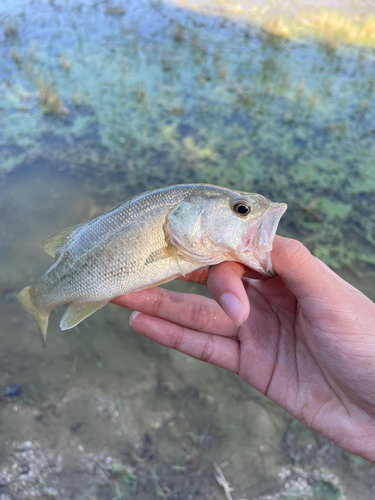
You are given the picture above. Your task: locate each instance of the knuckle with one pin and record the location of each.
(296, 252)
(157, 302)
(202, 276)
(175, 334)
(200, 314)
(208, 349)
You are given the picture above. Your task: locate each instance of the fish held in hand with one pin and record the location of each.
(148, 240)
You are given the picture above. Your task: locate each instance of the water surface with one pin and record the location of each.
(103, 100)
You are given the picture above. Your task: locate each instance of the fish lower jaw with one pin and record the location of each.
(260, 262)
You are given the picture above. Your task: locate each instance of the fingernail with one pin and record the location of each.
(132, 316)
(233, 308)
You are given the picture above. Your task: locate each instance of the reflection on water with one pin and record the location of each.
(100, 100)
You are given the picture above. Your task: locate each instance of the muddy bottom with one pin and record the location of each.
(105, 414)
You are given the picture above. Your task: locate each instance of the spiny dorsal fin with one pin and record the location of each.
(52, 244)
(78, 312)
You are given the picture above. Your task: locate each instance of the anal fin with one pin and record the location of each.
(78, 312)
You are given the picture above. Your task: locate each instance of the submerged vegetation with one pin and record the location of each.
(49, 99)
(176, 101)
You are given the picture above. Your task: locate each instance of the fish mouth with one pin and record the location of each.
(256, 254)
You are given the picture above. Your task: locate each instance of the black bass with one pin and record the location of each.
(150, 239)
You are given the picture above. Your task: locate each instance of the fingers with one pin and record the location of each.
(191, 311)
(199, 276)
(216, 350)
(225, 285)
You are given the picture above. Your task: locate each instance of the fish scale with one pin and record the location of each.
(150, 239)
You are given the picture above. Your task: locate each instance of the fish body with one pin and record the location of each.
(151, 239)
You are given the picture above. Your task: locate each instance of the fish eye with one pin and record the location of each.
(242, 207)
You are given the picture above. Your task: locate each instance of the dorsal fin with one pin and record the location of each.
(52, 244)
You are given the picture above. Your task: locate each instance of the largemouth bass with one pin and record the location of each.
(150, 239)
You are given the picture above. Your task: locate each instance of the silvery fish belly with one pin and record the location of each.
(148, 240)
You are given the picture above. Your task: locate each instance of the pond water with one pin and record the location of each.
(101, 100)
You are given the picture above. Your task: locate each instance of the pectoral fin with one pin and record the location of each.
(173, 253)
(52, 244)
(78, 312)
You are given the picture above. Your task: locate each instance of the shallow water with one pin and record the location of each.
(102, 100)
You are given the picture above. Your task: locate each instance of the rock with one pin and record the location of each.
(4, 496)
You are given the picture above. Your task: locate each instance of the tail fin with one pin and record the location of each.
(40, 318)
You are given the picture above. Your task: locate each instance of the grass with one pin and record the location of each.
(330, 27)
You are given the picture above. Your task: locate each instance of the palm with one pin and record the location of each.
(313, 355)
(281, 355)
(276, 355)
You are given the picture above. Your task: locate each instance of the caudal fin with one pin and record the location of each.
(40, 318)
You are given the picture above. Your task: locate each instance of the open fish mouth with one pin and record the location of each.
(259, 240)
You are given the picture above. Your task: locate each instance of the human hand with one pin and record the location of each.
(304, 338)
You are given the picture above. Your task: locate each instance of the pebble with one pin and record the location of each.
(11, 391)
(27, 445)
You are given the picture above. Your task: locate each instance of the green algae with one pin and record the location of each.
(292, 121)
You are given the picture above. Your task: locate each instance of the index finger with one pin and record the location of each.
(185, 309)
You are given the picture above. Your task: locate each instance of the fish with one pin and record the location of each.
(150, 239)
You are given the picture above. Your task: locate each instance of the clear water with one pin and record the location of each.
(99, 101)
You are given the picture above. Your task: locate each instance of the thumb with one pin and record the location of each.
(305, 275)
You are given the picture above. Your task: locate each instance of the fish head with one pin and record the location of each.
(231, 225)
